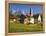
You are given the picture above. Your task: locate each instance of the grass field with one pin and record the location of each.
(18, 27)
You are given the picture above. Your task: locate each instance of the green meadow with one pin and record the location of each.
(19, 27)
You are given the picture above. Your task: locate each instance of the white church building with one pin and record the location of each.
(32, 19)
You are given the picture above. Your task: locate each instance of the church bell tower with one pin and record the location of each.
(31, 16)
(30, 12)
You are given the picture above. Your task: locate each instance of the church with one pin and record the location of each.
(31, 19)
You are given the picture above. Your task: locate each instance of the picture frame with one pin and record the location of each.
(22, 2)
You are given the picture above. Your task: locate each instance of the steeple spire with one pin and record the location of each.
(30, 11)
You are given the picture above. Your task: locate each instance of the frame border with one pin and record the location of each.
(7, 16)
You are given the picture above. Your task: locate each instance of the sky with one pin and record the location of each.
(36, 9)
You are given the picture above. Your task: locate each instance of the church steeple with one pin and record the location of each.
(30, 11)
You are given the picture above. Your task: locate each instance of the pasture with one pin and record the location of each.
(19, 27)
